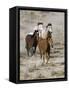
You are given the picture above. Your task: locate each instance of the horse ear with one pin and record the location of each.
(35, 30)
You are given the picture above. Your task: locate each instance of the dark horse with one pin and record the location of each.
(44, 47)
(31, 42)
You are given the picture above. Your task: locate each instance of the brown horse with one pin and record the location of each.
(31, 43)
(44, 47)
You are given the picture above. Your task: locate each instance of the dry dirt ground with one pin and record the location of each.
(31, 67)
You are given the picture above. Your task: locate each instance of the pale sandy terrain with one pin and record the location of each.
(31, 67)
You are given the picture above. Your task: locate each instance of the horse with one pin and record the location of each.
(44, 47)
(31, 43)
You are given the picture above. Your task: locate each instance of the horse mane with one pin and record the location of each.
(34, 33)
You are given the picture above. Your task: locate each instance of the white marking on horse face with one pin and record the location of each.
(49, 28)
(42, 33)
(31, 33)
(40, 27)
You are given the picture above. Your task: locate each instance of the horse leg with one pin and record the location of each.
(34, 50)
(40, 55)
(30, 51)
(27, 48)
(43, 58)
(49, 52)
(47, 57)
(27, 51)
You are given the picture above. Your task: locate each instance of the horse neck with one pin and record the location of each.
(33, 35)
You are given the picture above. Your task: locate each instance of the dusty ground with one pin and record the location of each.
(31, 67)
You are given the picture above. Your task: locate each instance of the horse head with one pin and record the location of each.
(36, 35)
(49, 27)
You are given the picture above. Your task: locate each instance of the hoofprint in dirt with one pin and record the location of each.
(32, 67)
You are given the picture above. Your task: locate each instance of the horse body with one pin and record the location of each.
(44, 47)
(31, 42)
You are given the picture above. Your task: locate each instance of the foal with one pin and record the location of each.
(44, 47)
